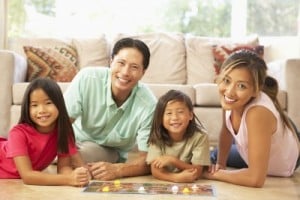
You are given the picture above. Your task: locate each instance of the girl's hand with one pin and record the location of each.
(80, 177)
(163, 161)
(187, 176)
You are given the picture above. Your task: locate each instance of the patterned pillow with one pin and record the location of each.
(221, 52)
(58, 63)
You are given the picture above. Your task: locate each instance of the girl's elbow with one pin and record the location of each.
(27, 181)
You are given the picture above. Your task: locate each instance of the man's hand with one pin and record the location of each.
(105, 171)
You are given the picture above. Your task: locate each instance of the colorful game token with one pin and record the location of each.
(194, 187)
(185, 190)
(105, 189)
(175, 189)
(117, 183)
(141, 189)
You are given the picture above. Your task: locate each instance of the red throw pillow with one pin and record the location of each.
(221, 53)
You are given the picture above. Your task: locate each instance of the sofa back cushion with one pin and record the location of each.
(92, 51)
(167, 60)
(18, 44)
(199, 56)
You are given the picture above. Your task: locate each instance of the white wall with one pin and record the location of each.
(277, 48)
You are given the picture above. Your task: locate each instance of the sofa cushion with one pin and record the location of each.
(17, 44)
(199, 57)
(207, 94)
(18, 91)
(221, 52)
(92, 51)
(161, 89)
(167, 60)
(58, 63)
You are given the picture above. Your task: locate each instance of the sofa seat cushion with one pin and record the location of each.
(18, 91)
(161, 89)
(207, 95)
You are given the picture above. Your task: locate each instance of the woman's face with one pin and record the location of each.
(127, 69)
(176, 119)
(236, 89)
(42, 111)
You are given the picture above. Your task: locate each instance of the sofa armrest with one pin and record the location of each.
(292, 83)
(13, 69)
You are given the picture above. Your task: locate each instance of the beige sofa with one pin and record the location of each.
(178, 61)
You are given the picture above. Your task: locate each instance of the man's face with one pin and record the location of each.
(127, 69)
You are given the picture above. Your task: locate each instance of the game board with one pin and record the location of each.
(149, 188)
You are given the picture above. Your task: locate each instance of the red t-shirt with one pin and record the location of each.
(25, 140)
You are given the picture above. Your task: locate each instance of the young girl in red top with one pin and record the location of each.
(43, 132)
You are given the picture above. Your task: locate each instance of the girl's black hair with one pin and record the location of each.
(64, 126)
(133, 43)
(159, 135)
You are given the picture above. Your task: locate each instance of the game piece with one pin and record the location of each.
(117, 183)
(185, 190)
(194, 187)
(105, 189)
(141, 189)
(175, 189)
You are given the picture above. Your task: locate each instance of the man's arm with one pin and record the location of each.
(110, 171)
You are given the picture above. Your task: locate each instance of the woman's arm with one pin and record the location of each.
(261, 124)
(67, 176)
(225, 142)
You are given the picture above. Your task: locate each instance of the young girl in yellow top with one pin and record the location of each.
(178, 143)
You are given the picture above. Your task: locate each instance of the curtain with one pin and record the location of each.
(3, 21)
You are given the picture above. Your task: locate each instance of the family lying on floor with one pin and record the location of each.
(106, 112)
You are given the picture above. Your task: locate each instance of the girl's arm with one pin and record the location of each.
(67, 176)
(261, 124)
(185, 176)
(189, 172)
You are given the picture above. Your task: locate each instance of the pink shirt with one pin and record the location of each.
(24, 140)
(284, 149)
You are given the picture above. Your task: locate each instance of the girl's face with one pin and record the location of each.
(42, 111)
(176, 119)
(236, 89)
(127, 69)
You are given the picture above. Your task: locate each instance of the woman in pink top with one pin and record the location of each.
(263, 135)
(43, 132)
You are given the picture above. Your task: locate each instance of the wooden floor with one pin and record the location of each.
(274, 189)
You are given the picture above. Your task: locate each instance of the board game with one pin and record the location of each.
(149, 188)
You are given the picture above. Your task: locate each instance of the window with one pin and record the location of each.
(67, 18)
